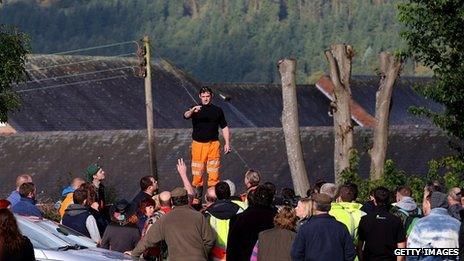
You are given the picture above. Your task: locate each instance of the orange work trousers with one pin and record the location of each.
(205, 154)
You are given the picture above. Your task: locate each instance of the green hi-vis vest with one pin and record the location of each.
(221, 228)
(349, 214)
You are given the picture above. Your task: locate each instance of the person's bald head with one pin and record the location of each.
(165, 198)
(21, 179)
(77, 182)
(210, 196)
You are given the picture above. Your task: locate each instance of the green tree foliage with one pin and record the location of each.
(228, 41)
(13, 50)
(434, 35)
(447, 171)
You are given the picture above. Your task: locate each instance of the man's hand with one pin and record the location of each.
(181, 168)
(191, 111)
(227, 148)
(196, 108)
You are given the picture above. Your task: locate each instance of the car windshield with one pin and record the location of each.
(40, 238)
(67, 234)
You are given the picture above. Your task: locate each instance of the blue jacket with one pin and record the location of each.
(26, 207)
(322, 237)
(14, 197)
(436, 230)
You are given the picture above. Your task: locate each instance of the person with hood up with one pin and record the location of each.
(78, 217)
(219, 214)
(122, 234)
(406, 209)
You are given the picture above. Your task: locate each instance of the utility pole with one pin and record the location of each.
(149, 105)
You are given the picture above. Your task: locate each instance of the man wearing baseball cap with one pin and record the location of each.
(186, 232)
(95, 175)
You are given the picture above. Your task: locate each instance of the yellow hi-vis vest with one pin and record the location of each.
(221, 228)
(349, 213)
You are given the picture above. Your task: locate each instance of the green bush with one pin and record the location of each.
(448, 171)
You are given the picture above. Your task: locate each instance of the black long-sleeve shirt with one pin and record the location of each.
(206, 122)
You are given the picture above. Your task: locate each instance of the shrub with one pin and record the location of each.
(448, 171)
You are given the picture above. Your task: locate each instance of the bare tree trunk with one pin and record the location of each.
(255, 4)
(291, 127)
(390, 67)
(339, 57)
(336, 6)
(195, 8)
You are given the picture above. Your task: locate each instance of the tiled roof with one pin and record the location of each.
(102, 93)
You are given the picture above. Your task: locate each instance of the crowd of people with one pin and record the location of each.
(259, 224)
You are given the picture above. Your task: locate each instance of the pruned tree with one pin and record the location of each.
(195, 8)
(291, 126)
(254, 5)
(390, 67)
(339, 57)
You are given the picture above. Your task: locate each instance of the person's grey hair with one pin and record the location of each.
(329, 189)
(253, 177)
(455, 194)
(231, 186)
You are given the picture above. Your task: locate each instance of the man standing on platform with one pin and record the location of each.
(206, 119)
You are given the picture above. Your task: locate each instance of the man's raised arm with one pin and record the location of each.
(191, 111)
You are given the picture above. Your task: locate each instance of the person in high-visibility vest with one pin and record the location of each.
(219, 214)
(206, 119)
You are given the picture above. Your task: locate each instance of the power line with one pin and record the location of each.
(71, 83)
(74, 75)
(93, 48)
(182, 84)
(88, 60)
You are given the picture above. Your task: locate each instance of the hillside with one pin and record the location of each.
(215, 40)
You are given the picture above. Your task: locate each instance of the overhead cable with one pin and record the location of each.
(93, 48)
(85, 61)
(71, 83)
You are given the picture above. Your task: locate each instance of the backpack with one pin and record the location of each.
(409, 218)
